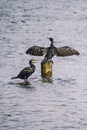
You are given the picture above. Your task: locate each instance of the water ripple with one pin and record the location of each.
(57, 103)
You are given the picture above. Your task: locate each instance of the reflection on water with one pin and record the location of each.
(22, 85)
(56, 103)
(66, 81)
(47, 80)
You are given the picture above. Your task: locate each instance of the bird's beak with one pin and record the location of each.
(34, 61)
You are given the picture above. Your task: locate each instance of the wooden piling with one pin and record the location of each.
(46, 68)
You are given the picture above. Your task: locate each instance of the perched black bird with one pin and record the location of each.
(51, 51)
(62, 51)
(26, 72)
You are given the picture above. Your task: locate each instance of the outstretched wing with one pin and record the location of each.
(62, 51)
(67, 51)
(36, 51)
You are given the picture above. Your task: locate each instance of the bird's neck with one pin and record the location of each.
(32, 66)
(51, 44)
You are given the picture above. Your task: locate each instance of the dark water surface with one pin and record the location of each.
(61, 102)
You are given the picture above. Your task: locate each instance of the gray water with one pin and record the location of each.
(59, 103)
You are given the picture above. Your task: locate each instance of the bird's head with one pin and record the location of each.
(51, 39)
(32, 61)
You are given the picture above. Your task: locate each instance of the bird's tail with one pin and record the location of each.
(14, 77)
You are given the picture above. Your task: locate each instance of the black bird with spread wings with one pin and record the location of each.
(26, 72)
(51, 51)
(61, 51)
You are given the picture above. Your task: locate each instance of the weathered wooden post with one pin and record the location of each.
(46, 68)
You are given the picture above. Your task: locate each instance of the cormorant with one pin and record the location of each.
(51, 51)
(26, 72)
(62, 51)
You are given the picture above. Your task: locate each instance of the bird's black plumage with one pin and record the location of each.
(60, 51)
(67, 51)
(26, 72)
(36, 51)
(51, 51)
